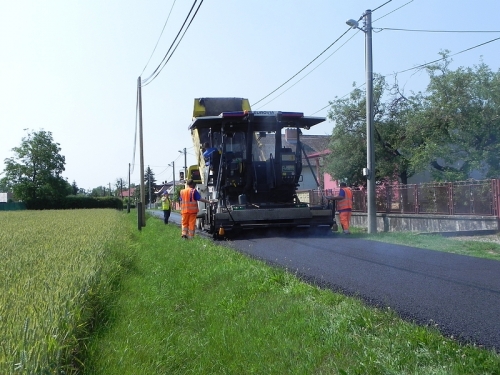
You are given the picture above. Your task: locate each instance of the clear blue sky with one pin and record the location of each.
(71, 67)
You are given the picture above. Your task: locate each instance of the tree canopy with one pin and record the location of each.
(149, 182)
(451, 130)
(349, 135)
(459, 121)
(34, 172)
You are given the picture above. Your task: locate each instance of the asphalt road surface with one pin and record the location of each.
(459, 295)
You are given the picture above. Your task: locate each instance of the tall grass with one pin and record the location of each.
(56, 269)
(192, 307)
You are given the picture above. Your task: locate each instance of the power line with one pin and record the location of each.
(439, 31)
(164, 62)
(385, 15)
(178, 33)
(272, 92)
(152, 53)
(316, 67)
(458, 53)
(301, 70)
(380, 6)
(421, 66)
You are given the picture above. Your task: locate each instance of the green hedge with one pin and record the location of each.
(12, 206)
(73, 202)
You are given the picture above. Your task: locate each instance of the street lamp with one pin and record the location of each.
(369, 171)
(173, 173)
(185, 163)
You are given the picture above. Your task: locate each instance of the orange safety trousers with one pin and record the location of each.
(189, 210)
(345, 218)
(188, 224)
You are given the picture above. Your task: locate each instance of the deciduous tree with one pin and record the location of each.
(459, 122)
(451, 129)
(348, 141)
(149, 182)
(36, 167)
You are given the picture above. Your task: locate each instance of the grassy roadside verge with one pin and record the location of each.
(198, 308)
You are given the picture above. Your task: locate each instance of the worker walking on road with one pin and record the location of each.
(166, 206)
(189, 208)
(344, 206)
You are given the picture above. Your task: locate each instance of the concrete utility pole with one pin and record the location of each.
(370, 138)
(369, 171)
(185, 163)
(173, 173)
(141, 152)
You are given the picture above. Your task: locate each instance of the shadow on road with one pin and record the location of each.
(301, 232)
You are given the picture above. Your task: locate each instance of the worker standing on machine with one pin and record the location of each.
(189, 208)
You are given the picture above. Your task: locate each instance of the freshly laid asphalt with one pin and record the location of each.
(459, 295)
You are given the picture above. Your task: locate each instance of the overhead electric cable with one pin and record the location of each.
(312, 70)
(392, 11)
(439, 31)
(442, 58)
(177, 45)
(154, 49)
(421, 66)
(301, 70)
(173, 42)
(380, 6)
(319, 56)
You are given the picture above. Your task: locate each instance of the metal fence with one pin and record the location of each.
(470, 197)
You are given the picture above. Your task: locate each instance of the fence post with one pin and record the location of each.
(496, 197)
(417, 208)
(451, 205)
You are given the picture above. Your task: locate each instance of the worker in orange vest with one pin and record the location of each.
(344, 206)
(189, 208)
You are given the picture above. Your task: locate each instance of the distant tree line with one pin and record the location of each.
(34, 176)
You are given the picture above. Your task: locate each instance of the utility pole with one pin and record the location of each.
(370, 139)
(369, 171)
(173, 174)
(109, 183)
(185, 163)
(141, 152)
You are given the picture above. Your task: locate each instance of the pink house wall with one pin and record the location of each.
(328, 182)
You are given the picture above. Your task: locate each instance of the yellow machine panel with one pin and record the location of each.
(215, 106)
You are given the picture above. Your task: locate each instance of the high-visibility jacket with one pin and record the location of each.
(188, 202)
(346, 203)
(165, 203)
